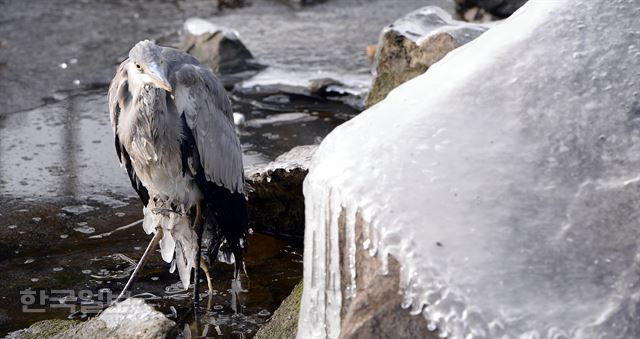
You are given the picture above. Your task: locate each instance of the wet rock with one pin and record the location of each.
(222, 4)
(46, 329)
(218, 47)
(131, 318)
(276, 203)
(350, 89)
(484, 10)
(409, 46)
(375, 311)
(284, 322)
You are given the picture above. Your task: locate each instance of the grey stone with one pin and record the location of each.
(276, 203)
(495, 8)
(413, 43)
(218, 47)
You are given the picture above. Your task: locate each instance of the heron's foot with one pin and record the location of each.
(205, 268)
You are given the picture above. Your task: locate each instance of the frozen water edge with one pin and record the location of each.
(521, 152)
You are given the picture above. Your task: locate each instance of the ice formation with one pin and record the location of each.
(519, 154)
(198, 26)
(130, 314)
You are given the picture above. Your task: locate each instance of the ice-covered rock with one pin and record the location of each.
(348, 88)
(217, 47)
(131, 318)
(507, 190)
(276, 204)
(413, 43)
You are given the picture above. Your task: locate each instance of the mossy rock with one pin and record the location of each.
(47, 328)
(284, 322)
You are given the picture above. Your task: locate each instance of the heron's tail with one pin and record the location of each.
(225, 227)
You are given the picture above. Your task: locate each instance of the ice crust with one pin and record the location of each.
(129, 313)
(505, 180)
(198, 26)
(424, 23)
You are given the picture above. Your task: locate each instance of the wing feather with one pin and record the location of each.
(118, 94)
(207, 111)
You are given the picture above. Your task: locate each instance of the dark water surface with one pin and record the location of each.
(61, 184)
(54, 257)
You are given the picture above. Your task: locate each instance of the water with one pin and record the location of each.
(91, 268)
(62, 187)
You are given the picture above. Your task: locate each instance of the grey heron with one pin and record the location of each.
(174, 134)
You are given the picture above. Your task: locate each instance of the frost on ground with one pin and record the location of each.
(504, 180)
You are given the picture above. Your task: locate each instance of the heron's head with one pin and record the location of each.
(147, 66)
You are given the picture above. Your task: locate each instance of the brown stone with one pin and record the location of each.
(412, 44)
(375, 311)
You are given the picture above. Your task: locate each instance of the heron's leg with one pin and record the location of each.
(147, 253)
(197, 227)
(205, 268)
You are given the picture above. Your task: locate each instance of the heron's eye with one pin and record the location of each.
(138, 67)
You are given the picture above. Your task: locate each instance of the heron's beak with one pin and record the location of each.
(158, 79)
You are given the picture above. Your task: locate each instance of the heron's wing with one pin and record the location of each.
(119, 94)
(203, 102)
(119, 98)
(211, 152)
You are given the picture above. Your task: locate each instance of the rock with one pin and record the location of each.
(375, 311)
(284, 322)
(46, 329)
(131, 318)
(217, 47)
(301, 3)
(507, 188)
(276, 203)
(350, 89)
(413, 43)
(222, 4)
(483, 10)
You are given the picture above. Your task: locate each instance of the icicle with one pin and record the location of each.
(167, 246)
